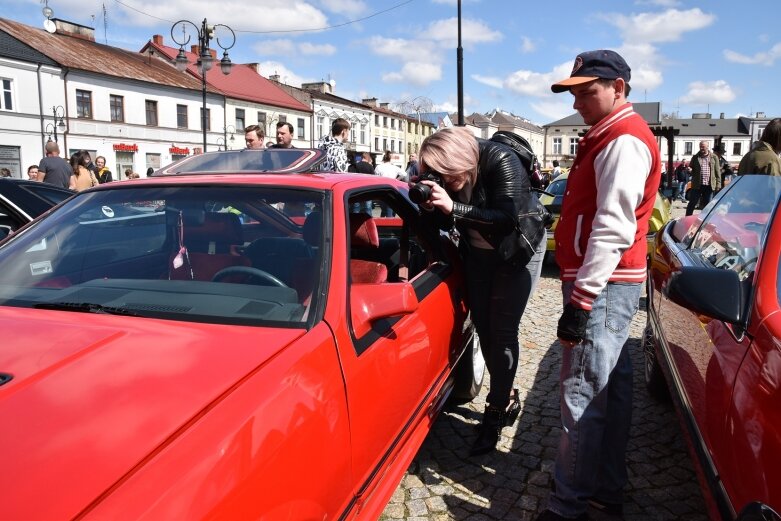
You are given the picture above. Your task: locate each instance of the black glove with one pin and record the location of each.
(572, 324)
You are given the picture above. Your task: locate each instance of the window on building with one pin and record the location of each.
(181, 116)
(300, 127)
(384, 144)
(117, 107)
(573, 146)
(385, 121)
(401, 146)
(352, 133)
(7, 99)
(393, 145)
(376, 143)
(240, 119)
(282, 118)
(736, 149)
(688, 147)
(261, 122)
(320, 126)
(557, 146)
(376, 120)
(84, 104)
(208, 119)
(363, 133)
(393, 124)
(151, 113)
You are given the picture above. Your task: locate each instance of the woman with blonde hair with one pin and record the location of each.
(82, 178)
(482, 183)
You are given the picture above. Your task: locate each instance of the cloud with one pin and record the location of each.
(347, 7)
(660, 3)
(269, 68)
(646, 64)
(527, 45)
(536, 84)
(416, 73)
(281, 47)
(553, 110)
(701, 92)
(472, 32)
(487, 80)
(260, 15)
(325, 49)
(667, 26)
(766, 58)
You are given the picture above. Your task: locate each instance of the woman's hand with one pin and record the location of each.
(439, 198)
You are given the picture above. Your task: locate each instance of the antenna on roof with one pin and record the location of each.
(105, 24)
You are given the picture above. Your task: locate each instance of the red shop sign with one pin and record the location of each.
(122, 147)
(179, 151)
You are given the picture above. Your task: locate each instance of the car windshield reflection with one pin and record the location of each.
(195, 253)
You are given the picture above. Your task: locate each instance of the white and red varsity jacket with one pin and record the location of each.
(601, 233)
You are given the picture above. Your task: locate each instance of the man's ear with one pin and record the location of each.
(620, 87)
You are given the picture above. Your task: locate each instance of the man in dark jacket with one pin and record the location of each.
(706, 177)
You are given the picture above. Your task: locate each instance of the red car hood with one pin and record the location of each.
(92, 396)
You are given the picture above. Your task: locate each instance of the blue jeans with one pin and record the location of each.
(498, 292)
(596, 404)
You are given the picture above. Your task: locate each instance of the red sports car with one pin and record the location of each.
(714, 338)
(203, 344)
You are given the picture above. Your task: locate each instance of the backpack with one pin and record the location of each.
(533, 217)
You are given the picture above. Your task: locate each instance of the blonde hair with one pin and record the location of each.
(452, 152)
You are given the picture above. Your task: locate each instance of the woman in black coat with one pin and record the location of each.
(482, 186)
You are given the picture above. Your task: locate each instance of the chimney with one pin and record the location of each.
(158, 39)
(721, 116)
(372, 102)
(195, 50)
(273, 77)
(760, 115)
(213, 52)
(74, 29)
(384, 105)
(319, 86)
(254, 66)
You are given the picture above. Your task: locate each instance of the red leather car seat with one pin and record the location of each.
(364, 236)
(211, 247)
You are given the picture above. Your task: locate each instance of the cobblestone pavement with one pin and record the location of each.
(443, 483)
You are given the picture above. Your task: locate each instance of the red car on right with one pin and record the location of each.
(713, 342)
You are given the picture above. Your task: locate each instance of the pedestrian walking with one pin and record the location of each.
(601, 250)
(705, 178)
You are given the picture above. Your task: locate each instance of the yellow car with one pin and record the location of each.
(659, 216)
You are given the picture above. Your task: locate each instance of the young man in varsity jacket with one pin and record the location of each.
(601, 250)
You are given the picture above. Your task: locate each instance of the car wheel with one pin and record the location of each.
(469, 372)
(757, 512)
(654, 379)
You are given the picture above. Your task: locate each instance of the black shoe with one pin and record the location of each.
(610, 509)
(488, 431)
(514, 408)
(547, 515)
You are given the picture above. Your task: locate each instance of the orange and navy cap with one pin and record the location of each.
(594, 65)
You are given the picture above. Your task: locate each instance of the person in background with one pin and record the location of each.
(706, 178)
(388, 169)
(32, 173)
(681, 174)
(103, 173)
(412, 167)
(82, 177)
(481, 191)
(55, 170)
(284, 135)
(726, 170)
(5, 172)
(333, 146)
(556, 172)
(150, 171)
(253, 137)
(763, 158)
(601, 252)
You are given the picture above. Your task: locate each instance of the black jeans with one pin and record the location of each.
(703, 194)
(497, 294)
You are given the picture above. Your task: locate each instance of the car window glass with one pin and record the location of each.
(734, 229)
(557, 187)
(51, 195)
(198, 253)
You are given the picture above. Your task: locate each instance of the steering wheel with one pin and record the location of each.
(251, 273)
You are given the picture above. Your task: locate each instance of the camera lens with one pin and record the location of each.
(420, 193)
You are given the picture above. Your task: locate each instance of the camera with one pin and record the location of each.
(419, 192)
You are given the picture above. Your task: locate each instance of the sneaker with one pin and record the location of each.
(610, 509)
(548, 515)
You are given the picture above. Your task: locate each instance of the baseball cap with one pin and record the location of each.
(594, 65)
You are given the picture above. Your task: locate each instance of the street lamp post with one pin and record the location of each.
(59, 122)
(225, 130)
(205, 61)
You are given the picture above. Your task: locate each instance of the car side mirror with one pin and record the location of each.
(713, 292)
(371, 302)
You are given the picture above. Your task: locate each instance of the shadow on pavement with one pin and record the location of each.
(444, 483)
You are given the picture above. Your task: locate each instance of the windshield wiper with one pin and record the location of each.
(85, 307)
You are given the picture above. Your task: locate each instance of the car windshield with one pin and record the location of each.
(557, 187)
(292, 160)
(239, 255)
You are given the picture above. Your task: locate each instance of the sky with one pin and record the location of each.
(717, 56)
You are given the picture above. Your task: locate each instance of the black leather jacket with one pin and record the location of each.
(495, 202)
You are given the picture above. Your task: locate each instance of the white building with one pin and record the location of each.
(133, 109)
